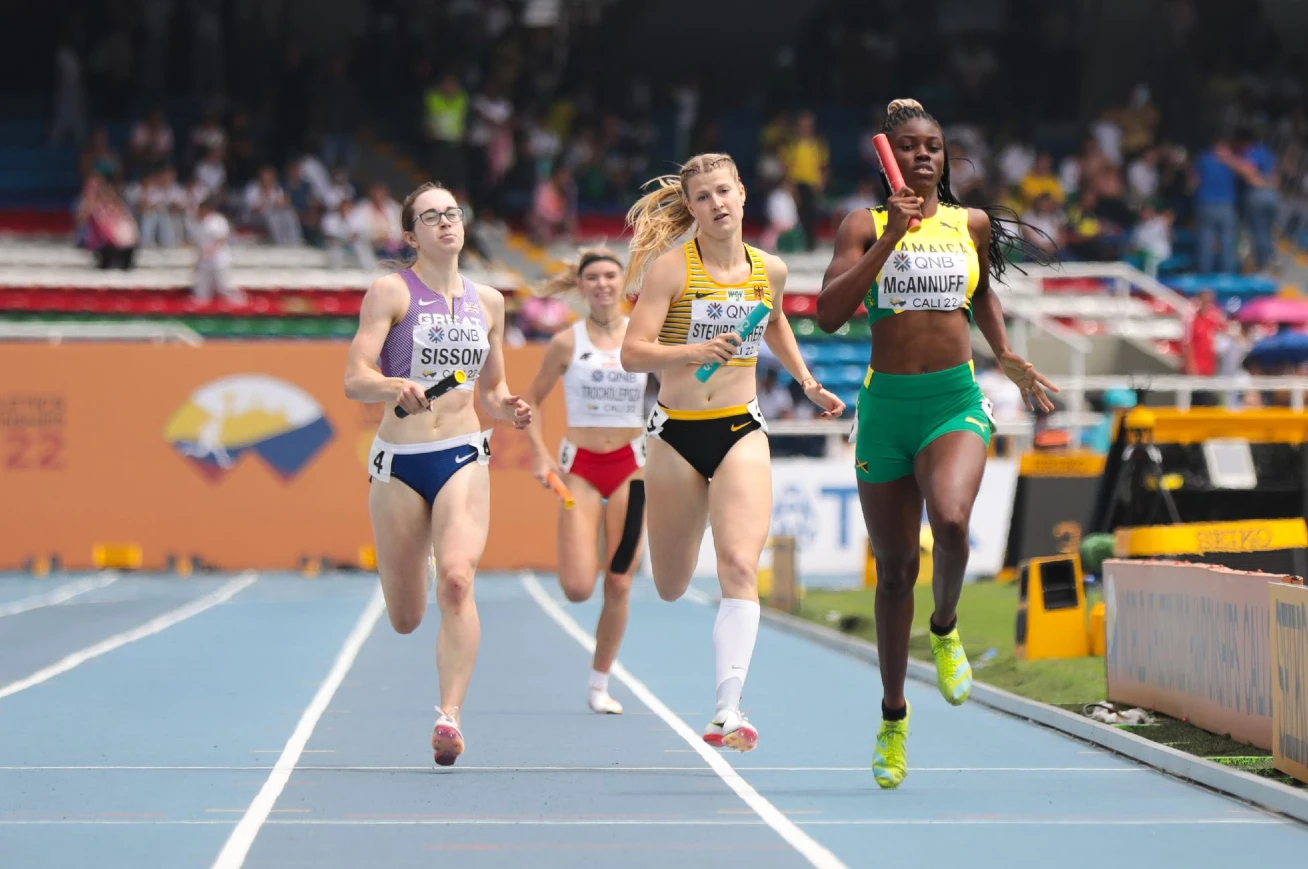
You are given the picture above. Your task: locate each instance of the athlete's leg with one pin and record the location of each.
(676, 496)
(401, 528)
(579, 539)
(460, 523)
(740, 511)
(892, 512)
(949, 473)
(622, 533)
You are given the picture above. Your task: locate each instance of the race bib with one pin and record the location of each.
(710, 318)
(443, 344)
(923, 282)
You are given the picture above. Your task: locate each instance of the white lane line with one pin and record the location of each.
(62, 594)
(238, 843)
(617, 769)
(808, 847)
(659, 822)
(159, 623)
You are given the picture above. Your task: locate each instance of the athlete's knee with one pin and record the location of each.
(405, 621)
(738, 569)
(949, 528)
(617, 586)
(577, 591)
(454, 590)
(897, 572)
(671, 591)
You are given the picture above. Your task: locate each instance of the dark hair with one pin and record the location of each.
(1003, 239)
(407, 217)
(407, 221)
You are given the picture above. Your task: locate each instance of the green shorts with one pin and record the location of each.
(899, 414)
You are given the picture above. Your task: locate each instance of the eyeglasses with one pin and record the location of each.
(431, 217)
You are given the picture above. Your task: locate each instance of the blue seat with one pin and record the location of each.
(1222, 284)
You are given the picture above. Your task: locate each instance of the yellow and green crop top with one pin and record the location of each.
(933, 268)
(707, 309)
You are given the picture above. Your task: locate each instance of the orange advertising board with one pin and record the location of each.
(246, 454)
(1192, 641)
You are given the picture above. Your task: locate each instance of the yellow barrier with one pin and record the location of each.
(1051, 617)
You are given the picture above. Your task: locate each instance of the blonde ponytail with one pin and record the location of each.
(662, 216)
(657, 219)
(565, 281)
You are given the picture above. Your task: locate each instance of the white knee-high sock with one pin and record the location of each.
(734, 634)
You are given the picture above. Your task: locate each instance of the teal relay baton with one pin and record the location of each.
(751, 323)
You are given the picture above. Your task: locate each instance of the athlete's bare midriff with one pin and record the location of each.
(729, 386)
(452, 415)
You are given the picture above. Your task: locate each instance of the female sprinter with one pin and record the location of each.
(708, 455)
(430, 485)
(601, 458)
(924, 425)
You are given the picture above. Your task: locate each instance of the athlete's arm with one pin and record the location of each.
(384, 305)
(988, 315)
(494, 388)
(557, 356)
(641, 350)
(781, 339)
(855, 265)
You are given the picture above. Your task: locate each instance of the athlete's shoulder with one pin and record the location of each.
(776, 267)
(491, 298)
(564, 340)
(978, 222)
(667, 273)
(388, 294)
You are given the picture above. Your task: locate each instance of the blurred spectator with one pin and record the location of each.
(151, 143)
(345, 228)
(151, 199)
(774, 400)
(305, 202)
(783, 233)
(1262, 197)
(554, 208)
(106, 225)
(447, 117)
(1041, 181)
(1200, 352)
(208, 135)
(69, 96)
(380, 214)
(1152, 238)
(99, 157)
(1214, 197)
(211, 175)
(213, 264)
(807, 161)
(268, 207)
(242, 151)
(1045, 216)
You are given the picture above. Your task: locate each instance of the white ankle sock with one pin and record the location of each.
(734, 634)
(599, 681)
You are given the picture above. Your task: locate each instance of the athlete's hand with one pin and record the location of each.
(411, 397)
(721, 349)
(541, 469)
(1031, 382)
(903, 205)
(517, 411)
(830, 403)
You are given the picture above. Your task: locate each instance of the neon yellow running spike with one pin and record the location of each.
(890, 763)
(953, 672)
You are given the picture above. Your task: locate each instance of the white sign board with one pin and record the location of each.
(816, 502)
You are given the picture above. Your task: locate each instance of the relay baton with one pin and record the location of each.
(755, 317)
(437, 389)
(891, 167)
(562, 491)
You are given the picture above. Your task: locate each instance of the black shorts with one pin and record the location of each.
(704, 437)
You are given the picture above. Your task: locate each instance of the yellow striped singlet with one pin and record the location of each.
(707, 309)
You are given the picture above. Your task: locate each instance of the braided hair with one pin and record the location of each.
(1003, 239)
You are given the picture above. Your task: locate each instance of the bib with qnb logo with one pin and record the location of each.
(434, 339)
(934, 268)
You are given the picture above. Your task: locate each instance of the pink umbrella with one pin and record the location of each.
(1271, 309)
